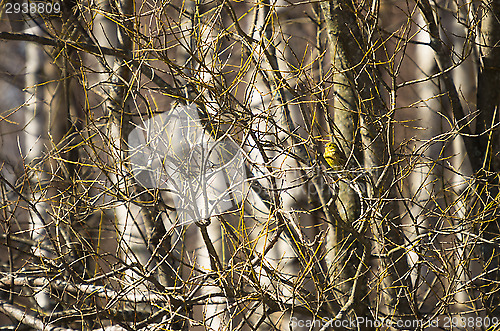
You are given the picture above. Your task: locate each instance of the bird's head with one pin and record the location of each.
(332, 146)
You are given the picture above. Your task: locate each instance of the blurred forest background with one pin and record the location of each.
(405, 230)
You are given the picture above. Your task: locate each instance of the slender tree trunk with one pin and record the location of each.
(358, 109)
(488, 104)
(465, 269)
(35, 127)
(424, 185)
(135, 225)
(341, 257)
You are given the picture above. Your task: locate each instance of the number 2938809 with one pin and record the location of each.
(33, 7)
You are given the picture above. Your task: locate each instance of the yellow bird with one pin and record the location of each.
(334, 156)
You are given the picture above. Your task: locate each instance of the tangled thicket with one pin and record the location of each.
(406, 231)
